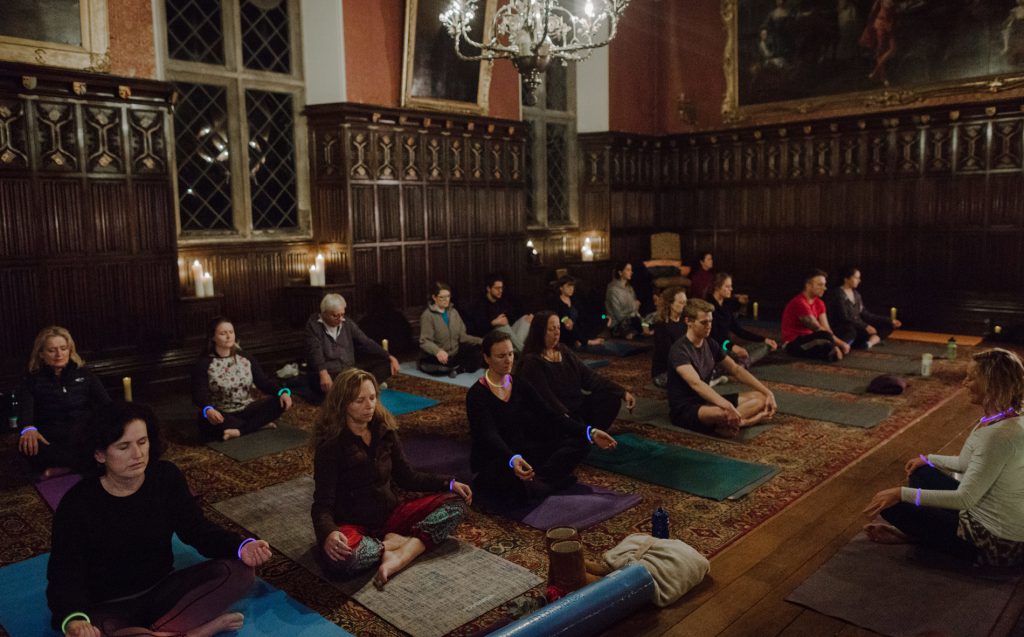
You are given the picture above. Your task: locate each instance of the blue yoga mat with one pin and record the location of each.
(704, 474)
(462, 380)
(400, 402)
(267, 610)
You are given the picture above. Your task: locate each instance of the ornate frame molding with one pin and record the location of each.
(93, 55)
(734, 113)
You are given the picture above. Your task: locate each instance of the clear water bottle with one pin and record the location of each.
(659, 523)
(12, 413)
(951, 349)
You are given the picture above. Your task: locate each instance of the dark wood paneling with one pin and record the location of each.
(16, 229)
(390, 213)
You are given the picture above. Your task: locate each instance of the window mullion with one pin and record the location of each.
(239, 134)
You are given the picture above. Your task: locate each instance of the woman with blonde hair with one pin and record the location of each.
(58, 396)
(668, 329)
(359, 520)
(979, 517)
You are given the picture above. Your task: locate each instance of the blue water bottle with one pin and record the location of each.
(659, 523)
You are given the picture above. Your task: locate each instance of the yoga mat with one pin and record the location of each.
(400, 402)
(934, 337)
(901, 366)
(910, 348)
(901, 591)
(819, 379)
(581, 505)
(53, 489)
(261, 443)
(853, 414)
(442, 590)
(462, 380)
(617, 348)
(596, 363)
(267, 610)
(704, 474)
(655, 412)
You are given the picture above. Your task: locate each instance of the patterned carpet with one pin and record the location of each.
(808, 452)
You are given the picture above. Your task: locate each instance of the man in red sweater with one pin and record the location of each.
(805, 329)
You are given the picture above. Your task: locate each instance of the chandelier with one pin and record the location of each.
(532, 33)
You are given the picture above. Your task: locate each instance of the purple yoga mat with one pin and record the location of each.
(53, 489)
(580, 506)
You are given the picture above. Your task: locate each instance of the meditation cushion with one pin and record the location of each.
(887, 384)
(675, 565)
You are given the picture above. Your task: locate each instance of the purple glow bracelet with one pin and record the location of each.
(28, 429)
(242, 545)
(917, 498)
(925, 459)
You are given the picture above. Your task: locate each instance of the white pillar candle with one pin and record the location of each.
(197, 277)
(755, 310)
(892, 313)
(207, 284)
(314, 280)
(321, 274)
(319, 262)
(126, 383)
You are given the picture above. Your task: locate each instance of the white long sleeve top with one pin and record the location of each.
(992, 487)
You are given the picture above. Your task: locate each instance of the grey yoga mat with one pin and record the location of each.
(261, 443)
(859, 413)
(655, 413)
(819, 379)
(903, 366)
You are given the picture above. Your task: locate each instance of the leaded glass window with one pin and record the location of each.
(265, 27)
(551, 150)
(271, 159)
(194, 31)
(558, 178)
(202, 148)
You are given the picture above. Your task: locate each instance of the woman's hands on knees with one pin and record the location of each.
(336, 547)
(914, 464)
(28, 443)
(256, 553)
(603, 439)
(214, 417)
(522, 468)
(82, 628)
(463, 491)
(882, 501)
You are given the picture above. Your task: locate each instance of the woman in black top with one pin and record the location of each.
(111, 569)
(561, 378)
(521, 448)
(57, 397)
(850, 320)
(224, 384)
(726, 325)
(668, 329)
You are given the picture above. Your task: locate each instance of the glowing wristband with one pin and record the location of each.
(206, 410)
(26, 430)
(512, 460)
(451, 484)
(590, 437)
(917, 498)
(284, 390)
(242, 545)
(926, 460)
(70, 618)
(725, 345)
(564, 319)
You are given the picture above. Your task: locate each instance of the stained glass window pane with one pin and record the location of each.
(558, 173)
(272, 159)
(194, 31)
(203, 157)
(265, 41)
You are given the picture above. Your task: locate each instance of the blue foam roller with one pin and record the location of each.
(589, 610)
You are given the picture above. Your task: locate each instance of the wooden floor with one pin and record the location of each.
(745, 593)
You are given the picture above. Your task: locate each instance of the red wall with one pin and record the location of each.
(374, 50)
(633, 70)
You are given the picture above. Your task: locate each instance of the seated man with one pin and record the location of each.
(693, 404)
(334, 344)
(495, 311)
(805, 329)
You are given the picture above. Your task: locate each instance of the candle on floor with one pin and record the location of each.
(207, 284)
(126, 382)
(755, 310)
(892, 313)
(197, 277)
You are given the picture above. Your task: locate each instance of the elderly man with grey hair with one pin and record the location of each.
(334, 344)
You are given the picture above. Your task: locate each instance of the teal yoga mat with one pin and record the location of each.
(267, 610)
(400, 402)
(462, 380)
(704, 474)
(860, 413)
(655, 412)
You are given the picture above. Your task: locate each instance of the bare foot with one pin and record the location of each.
(885, 534)
(394, 541)
(595, 341)
(53, 472)
(270, 425)
(228, 622)
(725, 430)
(396, 560)
(231, 433)
(838, 353)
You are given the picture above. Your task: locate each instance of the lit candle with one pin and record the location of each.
(313, 278)
(197, 277)
(319, 262)
(126, 382)
(892, 313)
(998, 329)
(384, 344)
(207, 284)
(755, 310)
(321, 275)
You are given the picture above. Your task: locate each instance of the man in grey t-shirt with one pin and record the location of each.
(693, 404)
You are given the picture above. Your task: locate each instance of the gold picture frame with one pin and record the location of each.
(433, 77)
(92, 55)
(733, 112)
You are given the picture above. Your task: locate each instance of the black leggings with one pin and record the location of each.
(553, 464)
(467, 359)
(255, 415)
(858, 337)
(930, 526)
(817, 345)
(599, 410)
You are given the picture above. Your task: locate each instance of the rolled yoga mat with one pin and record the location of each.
(860, 413)
(267, 610)
(705, 474)
(589, 610)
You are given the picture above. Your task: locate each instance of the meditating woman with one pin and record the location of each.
(574, 334)
(445, 346)
(359, 520)
(726, 326)
(522, 450)
(111, 568)
(702, 278)
(56, 398)
(621, 304)
(224, 384)
(564, 381)
(850, 320)
(668, 329)
(979, 517)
